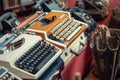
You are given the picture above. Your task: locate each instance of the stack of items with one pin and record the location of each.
(106, 48)
(115, 23)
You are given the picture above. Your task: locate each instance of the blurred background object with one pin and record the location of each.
(17, 6)
(105, 2)
(115, 18)
(78, 76)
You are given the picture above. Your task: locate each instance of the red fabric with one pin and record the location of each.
(82, 63)
(71, 3)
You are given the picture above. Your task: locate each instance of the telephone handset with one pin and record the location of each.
(8, 21)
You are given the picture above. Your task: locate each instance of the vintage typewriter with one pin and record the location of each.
(59, 28)
(27, 56)
(7, 75)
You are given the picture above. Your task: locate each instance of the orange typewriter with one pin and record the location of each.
(59, 28)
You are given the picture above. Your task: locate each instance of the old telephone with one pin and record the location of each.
(83, 15)
(46, 5)
(8, 21)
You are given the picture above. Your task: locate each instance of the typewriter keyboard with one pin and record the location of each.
(36, 57)
(6, 75)
(65, 30)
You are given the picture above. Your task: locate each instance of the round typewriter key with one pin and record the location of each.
(27, 63)
(27, 59)
(48, 50)
(7, 75)
(44, 42)
(57, 37)
(39, 53)
(33, 52)
(30, 69)
(34, 58)
(21, 63)
(38, 59)
(4, 77)
(24, 56)
(26, 69)
(45, 52)
(34, 62)
(32, 65)
(20, 66)
(42, 50)
(39, 47)
(35, 47)
(12, 77)
(42, 56)
(54, 35)
(25, 66)
(31, 60)
(9, 79)
(62, 39)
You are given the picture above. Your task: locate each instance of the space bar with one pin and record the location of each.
(71, 35)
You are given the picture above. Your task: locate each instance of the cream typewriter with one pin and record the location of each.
(60, 29)
(5, 74)
(27, 56)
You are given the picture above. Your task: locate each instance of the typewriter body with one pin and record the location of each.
(27, 56)
(60, 29)
(7, 75)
